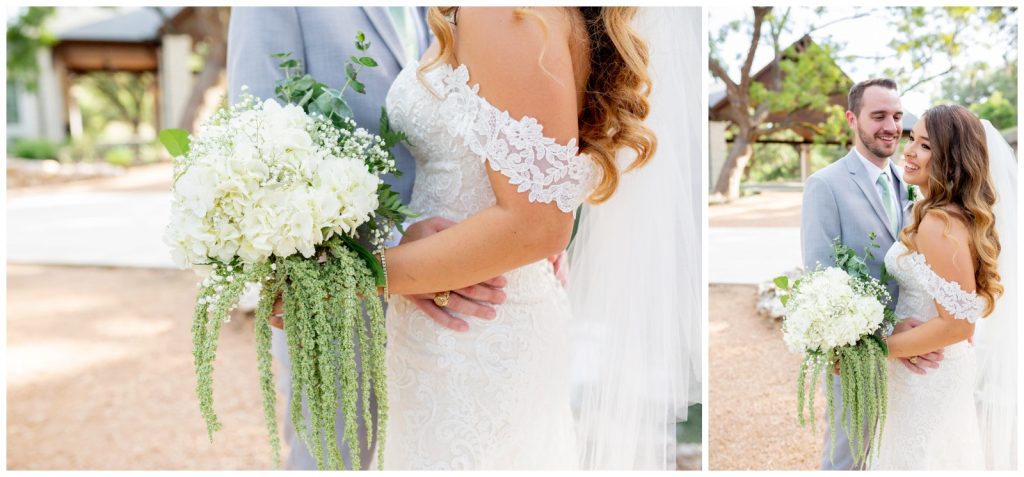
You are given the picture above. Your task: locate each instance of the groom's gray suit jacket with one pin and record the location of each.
(322, 38)
(841, 201)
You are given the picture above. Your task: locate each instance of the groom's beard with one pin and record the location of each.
(874, 145)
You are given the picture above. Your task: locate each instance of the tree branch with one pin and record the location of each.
(759, 14)
(719, 72)
(925, 80)
(833, 22)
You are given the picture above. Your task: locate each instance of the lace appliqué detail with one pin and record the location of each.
(961, 304)
(548, 171)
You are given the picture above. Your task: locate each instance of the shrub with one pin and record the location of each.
(120, 156)
(35, 149)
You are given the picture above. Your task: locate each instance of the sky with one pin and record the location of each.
(866, 36)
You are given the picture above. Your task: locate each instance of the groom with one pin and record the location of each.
(323, 39)
(860, 194)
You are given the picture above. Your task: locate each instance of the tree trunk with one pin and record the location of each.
(213, 21)
(728, 184)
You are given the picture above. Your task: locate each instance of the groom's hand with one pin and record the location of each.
(928, 360)
(561, 267)
(475, 300)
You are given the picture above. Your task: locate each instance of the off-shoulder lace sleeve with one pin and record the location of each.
(963, 305)
(547, 171)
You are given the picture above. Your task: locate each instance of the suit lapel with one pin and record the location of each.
(860, 177)
(386, 30)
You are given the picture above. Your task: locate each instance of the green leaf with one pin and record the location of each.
(176, 141)
(358, 87)
(289, 64)
(371, 261)
(782, 282)
(784, 299)
(280, 56)
(350, 71)
(367, 61)
(360, 37)
(332, 106)
(305, 82)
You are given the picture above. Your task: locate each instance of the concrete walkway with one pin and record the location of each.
(89, 228)
(751, 255)
(105, 222)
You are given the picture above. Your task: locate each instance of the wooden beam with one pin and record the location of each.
(85, 56)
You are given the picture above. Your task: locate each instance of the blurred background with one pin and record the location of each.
(99, 371)
(779, 79)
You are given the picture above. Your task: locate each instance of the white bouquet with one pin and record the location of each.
(280, 195)
(829, 309)
(832, 316)
(265, 179)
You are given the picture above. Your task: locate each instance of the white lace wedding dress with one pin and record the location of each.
(497, 396)
(932, 423)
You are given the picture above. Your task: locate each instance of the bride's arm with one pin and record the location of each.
(948, 255)
(525, 70)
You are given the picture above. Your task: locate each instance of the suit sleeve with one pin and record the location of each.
(254, 34)
(819, 223)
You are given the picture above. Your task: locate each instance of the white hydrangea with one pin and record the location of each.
(267, 179)
(828, 310)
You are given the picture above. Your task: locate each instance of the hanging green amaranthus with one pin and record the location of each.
(323, 306)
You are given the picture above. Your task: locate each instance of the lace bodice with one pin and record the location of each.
(453, 131)
(495, 396)
(921, 287)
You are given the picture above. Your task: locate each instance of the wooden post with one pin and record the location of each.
(805, 161)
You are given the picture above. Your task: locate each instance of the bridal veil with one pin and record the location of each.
(995, 337)
(635, 272)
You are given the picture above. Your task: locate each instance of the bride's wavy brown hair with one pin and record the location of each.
(958, 176)
(615, 101)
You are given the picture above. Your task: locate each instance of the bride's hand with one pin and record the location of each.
(918, 363)
(475, 300)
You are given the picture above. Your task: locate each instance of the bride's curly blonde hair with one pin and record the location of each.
(958, 175)
(615, 101)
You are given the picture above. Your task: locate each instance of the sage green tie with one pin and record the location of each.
(890, 208)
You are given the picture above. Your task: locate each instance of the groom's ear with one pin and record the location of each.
(851, 119)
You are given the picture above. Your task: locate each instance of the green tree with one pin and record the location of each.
(25, 37)
(928, 40)
(117, 96)
(990, 92)
(796, 81)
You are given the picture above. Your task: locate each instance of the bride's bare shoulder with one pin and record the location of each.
(522, 61)
(945, 242)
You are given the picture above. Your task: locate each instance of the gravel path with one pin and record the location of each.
(752, 390)
(100, 376)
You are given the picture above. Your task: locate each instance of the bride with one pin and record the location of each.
(516, 117)
(951, 272)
